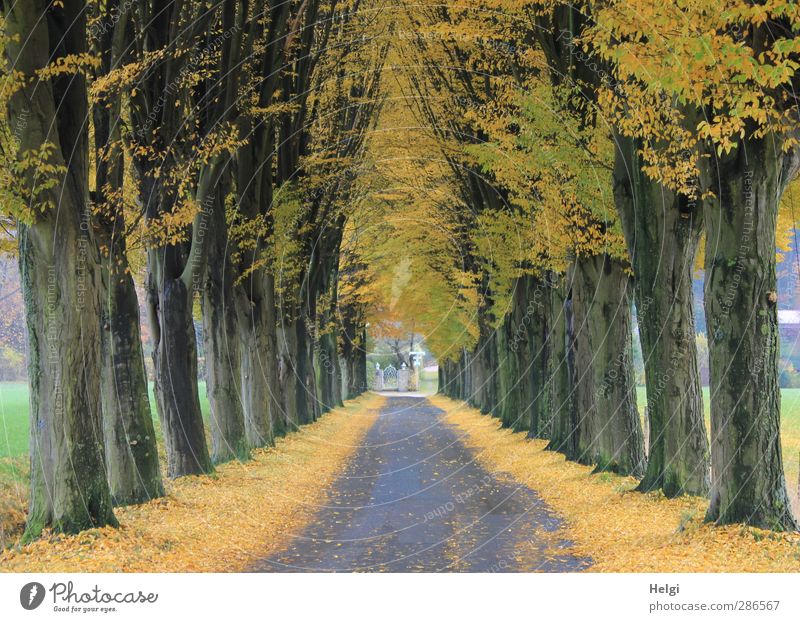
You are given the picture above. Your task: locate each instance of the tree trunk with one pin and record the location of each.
(59, 274)
(352, 348)
(338, 375)
(295, 381)
(475, 378)
(507, 372)
(609, 428)
(362, 361)
(131, 453)
(538, 319)
(564, 428)
(175, 362)
(328, 375)
(313, 395)
(451, 379)
(662, 231)
(69, 490)
(221, 346)
(748, 482)
(489, 366)
(463, 377)
(262, 398)
(454, 380)
(516, 367)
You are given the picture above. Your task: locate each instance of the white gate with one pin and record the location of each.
(390, 378)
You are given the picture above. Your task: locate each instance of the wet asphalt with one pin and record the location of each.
(414, 499)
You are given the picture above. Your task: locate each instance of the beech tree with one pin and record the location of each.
(48, 114)
(131, 454)
(662, 230)
(731, 70)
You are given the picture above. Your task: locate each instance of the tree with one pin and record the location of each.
(48, 111)
(131, 455)
(662, 231)
(730, 69)
(158, 75)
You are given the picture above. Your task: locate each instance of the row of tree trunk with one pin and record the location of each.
(735, 200)
(269, 367)
(558, 364)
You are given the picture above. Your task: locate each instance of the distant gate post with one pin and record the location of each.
(378, 377)
(402, 378)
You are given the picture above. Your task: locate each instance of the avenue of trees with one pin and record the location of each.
(600, 143)
(513, 177)
(217, 143)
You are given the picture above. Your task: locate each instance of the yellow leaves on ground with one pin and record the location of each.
(622, 530)
(225, 522)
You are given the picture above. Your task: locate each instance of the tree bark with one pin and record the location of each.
(748, 482)
(662, 231)
(564, 428)
(609, 428)
(221, 341)
(131, 453)
(296, 375)
(487, 356)
(362, 360)
(175, 363)
(352, 349)
(328, 374)
(264, 415)
(59, 273)
(516, 356)
(539, 317)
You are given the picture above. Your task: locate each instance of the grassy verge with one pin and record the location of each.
(622, 530)
(14, 466)
(428, 382)
(225, 522)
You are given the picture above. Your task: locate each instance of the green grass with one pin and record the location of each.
(14, 417)
(428, 382)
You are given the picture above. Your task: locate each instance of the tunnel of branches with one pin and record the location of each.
(243, 196)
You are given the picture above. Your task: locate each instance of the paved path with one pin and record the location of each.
(413, 498)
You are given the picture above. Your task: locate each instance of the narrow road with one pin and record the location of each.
(413, 498)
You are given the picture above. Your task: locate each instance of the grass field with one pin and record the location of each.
(428, 382)
(14, 416)
(14, 429)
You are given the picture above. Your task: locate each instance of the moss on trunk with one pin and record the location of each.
(662, 231)
(748, 482)
(609, 430)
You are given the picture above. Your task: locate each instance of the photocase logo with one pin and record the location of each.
(31, 595)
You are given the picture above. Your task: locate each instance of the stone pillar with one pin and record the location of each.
(402, 378)
(378, 377)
